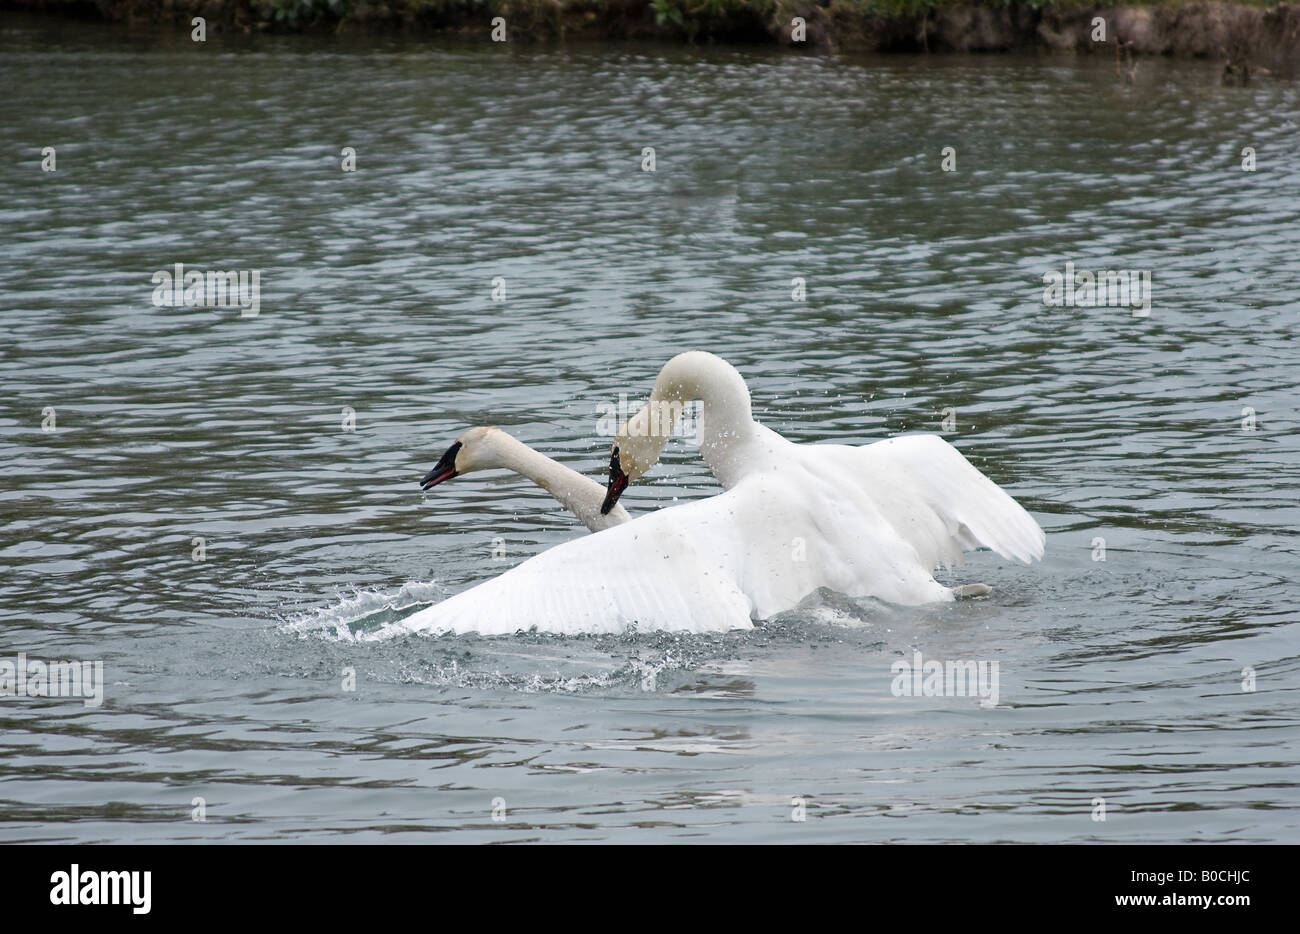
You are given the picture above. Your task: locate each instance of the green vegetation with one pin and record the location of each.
(299, 12)
(1248, 32)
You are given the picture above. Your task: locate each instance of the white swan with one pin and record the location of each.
(916, 490)
(485, 448)
(868, 521)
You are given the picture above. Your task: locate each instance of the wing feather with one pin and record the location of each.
(660, 571)
(943, 505)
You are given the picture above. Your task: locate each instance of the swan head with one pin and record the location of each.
(695, 374)
(475, 449)
(635, 450)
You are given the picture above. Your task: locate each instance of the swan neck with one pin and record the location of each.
(580, 495)
(726, 425)
(713, 381)
(546, 472)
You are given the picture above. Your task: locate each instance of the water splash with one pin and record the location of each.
(362, 611)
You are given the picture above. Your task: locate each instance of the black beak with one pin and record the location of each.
(445, 469)
(617, 484)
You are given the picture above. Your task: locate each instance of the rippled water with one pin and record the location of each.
(1120, 679)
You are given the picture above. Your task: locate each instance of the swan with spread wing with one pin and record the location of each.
(868, 521)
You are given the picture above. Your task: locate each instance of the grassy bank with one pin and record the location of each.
(1251, 34)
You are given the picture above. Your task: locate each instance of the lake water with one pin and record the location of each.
(1173, 437)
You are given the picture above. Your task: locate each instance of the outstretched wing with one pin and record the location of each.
(941, 504)
(661, 571)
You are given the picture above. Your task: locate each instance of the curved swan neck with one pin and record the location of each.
(715, 382)
(580, 495)
(726, 418)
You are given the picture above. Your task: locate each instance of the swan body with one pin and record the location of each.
(484, 448)
(870, 521)
(929, 496)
